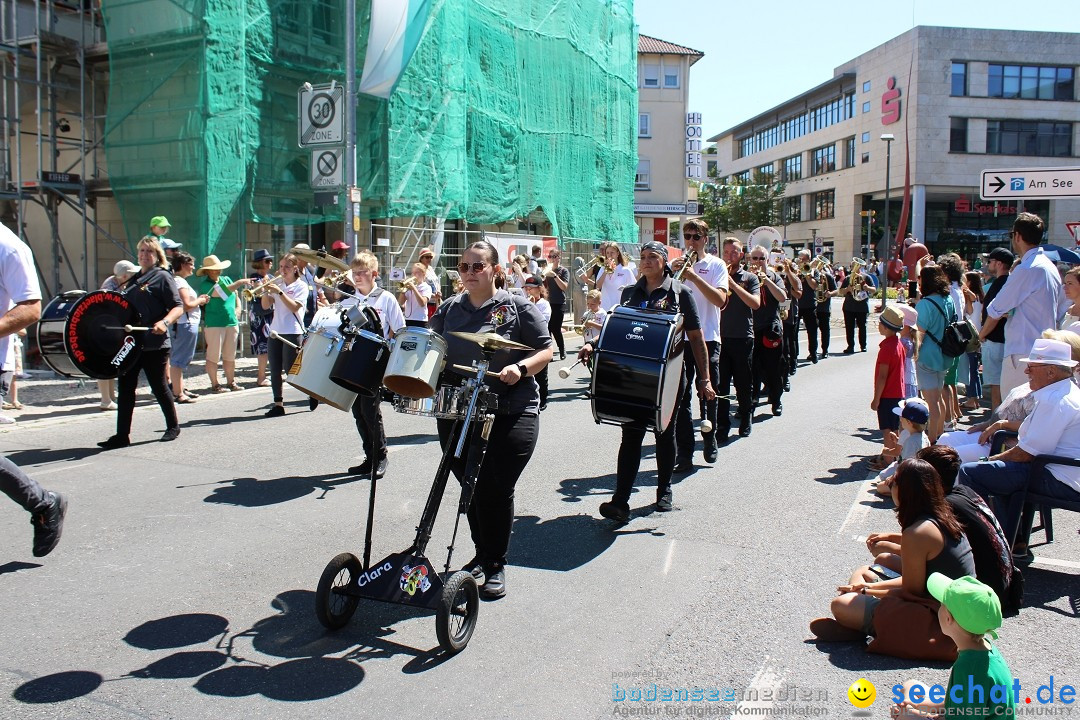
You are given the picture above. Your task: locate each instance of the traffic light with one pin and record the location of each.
(868, 213)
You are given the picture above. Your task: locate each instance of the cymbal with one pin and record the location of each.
(490, 341)
(319, 258)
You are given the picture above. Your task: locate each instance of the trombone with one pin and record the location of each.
(250, 293)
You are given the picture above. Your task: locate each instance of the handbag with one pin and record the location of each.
(958, 336)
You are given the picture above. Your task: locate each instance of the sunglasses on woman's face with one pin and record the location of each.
(476, 267)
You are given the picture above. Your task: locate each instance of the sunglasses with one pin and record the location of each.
(692, 236)
(476, 267)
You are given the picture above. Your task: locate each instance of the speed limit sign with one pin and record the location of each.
(320, 111)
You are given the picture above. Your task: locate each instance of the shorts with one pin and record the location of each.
(950, 374)
(220, 342)
(184, 336)
(5, 382)
(929, 379)
(886, 418)
(872, 601)
(992, 355)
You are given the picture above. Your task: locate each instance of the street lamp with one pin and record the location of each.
(888, 138)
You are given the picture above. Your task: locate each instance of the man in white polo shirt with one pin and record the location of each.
(1029, 297)
(1052, 428)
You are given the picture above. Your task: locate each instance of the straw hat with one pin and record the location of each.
(211, 262)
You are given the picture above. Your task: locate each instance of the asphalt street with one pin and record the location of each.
(184, 583)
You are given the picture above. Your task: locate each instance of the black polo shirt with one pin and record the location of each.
(824, 308)
(154, 294)
(767, 317)
(737, 319)
(670, 296)
(556, 295)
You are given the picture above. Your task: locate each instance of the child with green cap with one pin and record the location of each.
(980, 683)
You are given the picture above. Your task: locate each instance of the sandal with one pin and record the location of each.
(218, 389)
(263, 383)
(13, 405)
(185, 399)
(234, 387)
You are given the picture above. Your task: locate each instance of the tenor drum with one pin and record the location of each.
(637, 368)
(310, 373)
(361, 363)
(82, 334)
(416, 361)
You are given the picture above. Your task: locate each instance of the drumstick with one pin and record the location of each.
(467, 368)
(291, 344)
(130, 328)
(565, 372)
(706, 426)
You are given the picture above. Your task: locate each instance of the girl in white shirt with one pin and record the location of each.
(288, 298)
(973, 305)
(538, 296)
(614, 277)
(415, 297)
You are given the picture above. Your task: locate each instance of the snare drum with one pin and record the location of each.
(416, 361)
(451, 403)
(361, 363)
(82, 334)
(414, 406)
(313, 367)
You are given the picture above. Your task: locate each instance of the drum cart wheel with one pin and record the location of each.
(455, 618)
(333, 607)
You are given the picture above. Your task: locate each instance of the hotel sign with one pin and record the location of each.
(693, 146)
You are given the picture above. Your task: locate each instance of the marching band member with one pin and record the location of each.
(656, 290)
(414, 296)
(807, 304)
(737, 344)
(367, 411)
(794, 289)
(613, 277)
(153, 293)
(557, 282)
(289, 302)
(483, 308)
(537, 294)
(824, 286)
(856, 291)
(768, 332)
(707, 280)
(592, 320)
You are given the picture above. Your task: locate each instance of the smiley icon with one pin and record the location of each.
(862, 693)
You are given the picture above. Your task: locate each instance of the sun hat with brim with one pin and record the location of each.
(125, 267)
(913, 410)
(1050, 352)
(974, 605)
(160, 221)
(211, 262)
(427, 251)
(911, 315)
(892, 318)
(261, 255)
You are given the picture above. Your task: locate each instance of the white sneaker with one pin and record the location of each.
(5, 420)
(108, 406)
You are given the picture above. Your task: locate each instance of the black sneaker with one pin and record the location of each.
(787, 385)
(663, 500)
(543, 406)
(849, 351)
(312, 403)
(683, 467)
(494, 586)
(275, 411)
(114, 443)
(476, 568)
(710, 448)
(170, 434)
(745, 427)
(616, 512)
(363, 468)
(381, 470)
(778, 409)
(49, 524)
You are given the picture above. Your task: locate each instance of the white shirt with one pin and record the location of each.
(545, 308)
(194, 316)
(286, 322)
(18, 282)
(958, 301)
(591, 335)
(1069, 322)
(975, 318)
(611, 292)
(386, 305)
(713, 271)
(1031, 293)
(415, 309)
(1053, 428)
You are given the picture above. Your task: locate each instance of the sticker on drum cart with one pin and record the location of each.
(415, 578)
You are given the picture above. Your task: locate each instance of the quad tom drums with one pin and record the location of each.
(361, 363)
(637, 368)
(416, 360)
(314, 364)
(82, 334)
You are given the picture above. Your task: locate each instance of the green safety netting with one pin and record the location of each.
(507, 106)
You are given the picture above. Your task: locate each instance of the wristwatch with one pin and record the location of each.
(523, 370)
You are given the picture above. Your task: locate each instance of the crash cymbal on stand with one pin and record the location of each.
(490, 341)
(319, 258)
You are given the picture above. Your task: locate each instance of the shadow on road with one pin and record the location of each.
(252, 492)
(1043, 586)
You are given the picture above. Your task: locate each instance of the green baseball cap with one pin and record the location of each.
(974, 605)
(160, 221)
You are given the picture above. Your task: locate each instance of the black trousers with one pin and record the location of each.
(854, 320)
(491, 514)
(153, 364)
(633, 435)
(735, 366)
(791, 345)
(367, 412)
(542, 382)
(825, 329)
(280, 357)
(810, 322)
(558, 313)
(769, 369)
(685, 438)
(21, 488)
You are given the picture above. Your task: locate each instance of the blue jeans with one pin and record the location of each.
(1000, 482)
(974, 383)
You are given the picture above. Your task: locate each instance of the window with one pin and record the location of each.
(671, 77)
(643, 181)
(1028, 137)
(644, 125)
(817, 118)
(849, 152)
(792, 168)
(792, 209)
(650, 75)
(823, 204)
(742, 178)
(710, 168)
(766, 171)
(958, 134)
(866, 86)
(959, 79)
(865, 158)
(866, 107)
(866, 137)
(1031, 82)
(823, 160)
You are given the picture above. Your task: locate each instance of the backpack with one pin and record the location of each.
(959, 335)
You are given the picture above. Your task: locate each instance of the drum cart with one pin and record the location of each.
(408, 577)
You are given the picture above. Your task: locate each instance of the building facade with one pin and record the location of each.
(661, 187)
(955, 102)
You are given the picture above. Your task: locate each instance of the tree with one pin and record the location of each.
(738, 205)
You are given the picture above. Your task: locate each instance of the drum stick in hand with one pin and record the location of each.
(287, 342)
(470, 369)
(136, 328)
(565, 372)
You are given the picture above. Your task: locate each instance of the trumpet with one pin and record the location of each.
(689, 259)
(250, 293)
(331, 279)
(407, 284)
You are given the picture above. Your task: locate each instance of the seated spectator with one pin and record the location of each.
(1052, 428)
(914, 414)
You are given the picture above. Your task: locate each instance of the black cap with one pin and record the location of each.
(532, 280)
(1001, 254)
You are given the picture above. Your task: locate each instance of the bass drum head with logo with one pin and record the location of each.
(82, 334)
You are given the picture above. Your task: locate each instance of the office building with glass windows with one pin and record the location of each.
(955, 103)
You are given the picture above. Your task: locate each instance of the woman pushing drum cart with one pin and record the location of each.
(486, 403)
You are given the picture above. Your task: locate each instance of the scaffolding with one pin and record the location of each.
(52, 90)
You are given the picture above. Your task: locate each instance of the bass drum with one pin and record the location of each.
(637, 368)
(82, 334)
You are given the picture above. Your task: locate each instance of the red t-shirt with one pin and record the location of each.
(891, 354)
